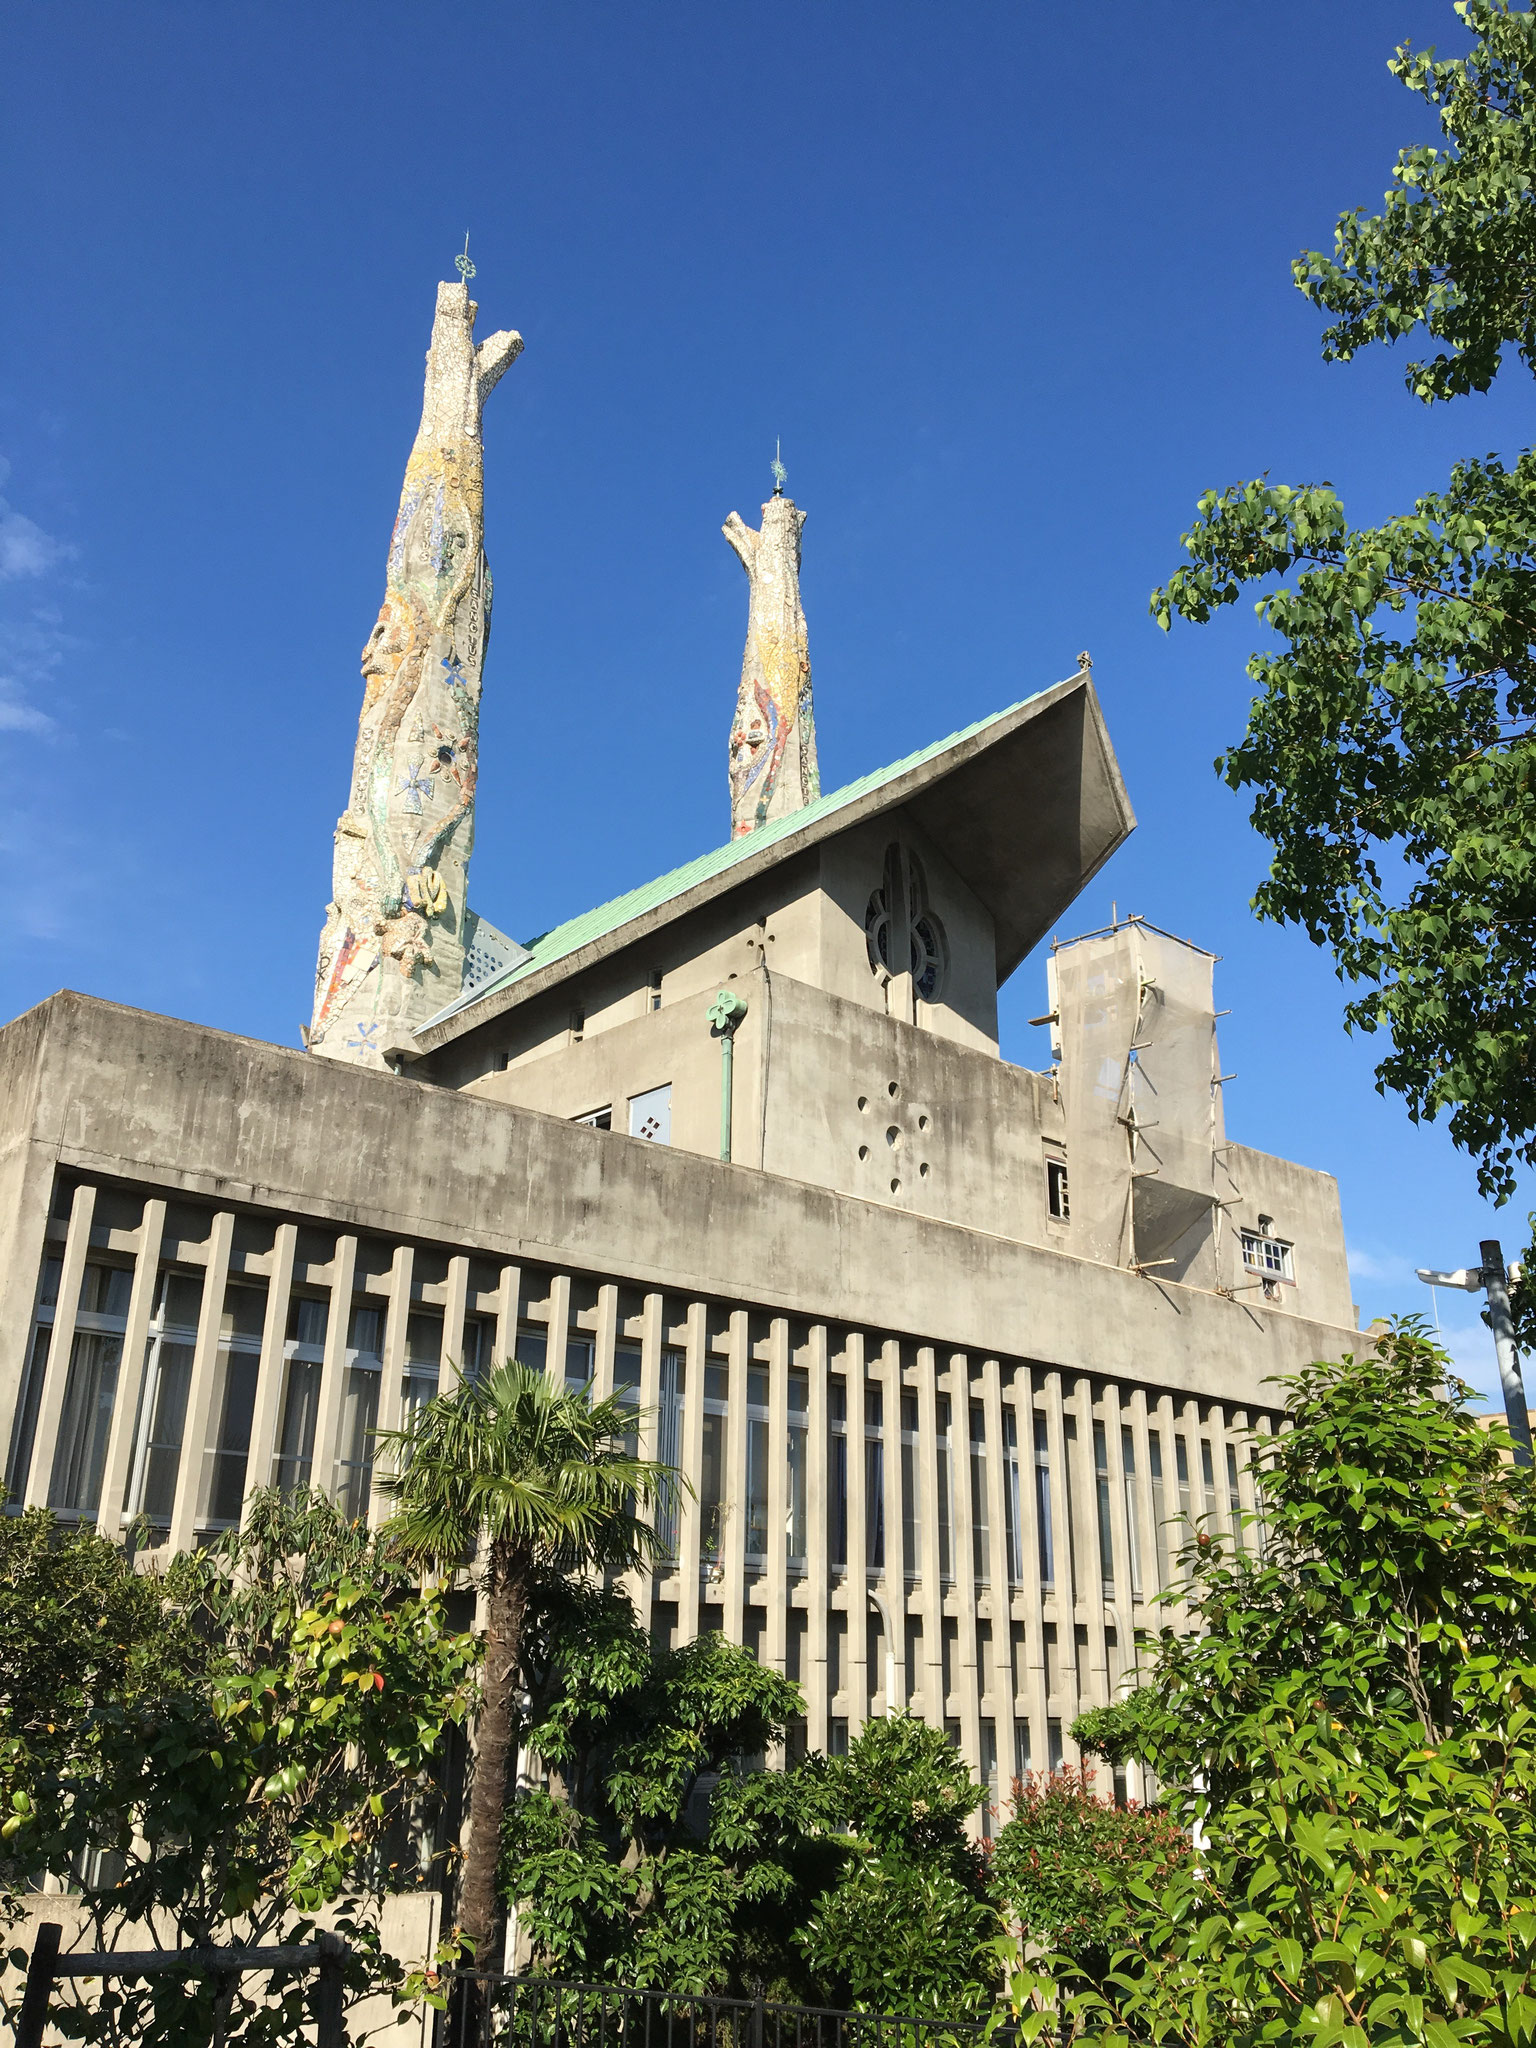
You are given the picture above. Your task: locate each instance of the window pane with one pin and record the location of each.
(296, 1437)
(24, 1429)
(796, 1529)
(234, 1402)
(168, 1379)
(711, 1487)
(1106, 1537)
(359, 1416)
(86, 1421)
(1043, 1526)
(757, 1489)
(874, 1501)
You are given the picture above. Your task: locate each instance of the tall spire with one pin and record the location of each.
(392, 950)
(773, 735)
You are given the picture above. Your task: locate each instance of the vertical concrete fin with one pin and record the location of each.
(392, 950)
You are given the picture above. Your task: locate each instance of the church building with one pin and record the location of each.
(952, 1353)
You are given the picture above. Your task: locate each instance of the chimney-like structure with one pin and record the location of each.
(392, 951)
(773, 735)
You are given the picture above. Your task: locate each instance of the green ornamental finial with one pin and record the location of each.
(777, 471)
(462, 264)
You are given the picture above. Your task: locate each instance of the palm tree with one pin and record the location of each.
(537, 1480)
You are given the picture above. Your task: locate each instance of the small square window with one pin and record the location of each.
(1269, 1257)
(1056, 1189)
(650, 1115)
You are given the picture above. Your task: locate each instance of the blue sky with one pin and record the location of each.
(1010, 281)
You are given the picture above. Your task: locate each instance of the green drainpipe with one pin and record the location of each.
(725, 1013)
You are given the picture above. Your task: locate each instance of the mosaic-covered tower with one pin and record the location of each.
(773, 735)
(392, 951)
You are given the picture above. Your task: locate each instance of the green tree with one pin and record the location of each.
(229, 1748)
(1351, 1729)
(539, 1483)
(1066, 1859)
(1391, 750)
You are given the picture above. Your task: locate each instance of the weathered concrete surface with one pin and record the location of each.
(392, 950)
(773, 735)
(117, 1092)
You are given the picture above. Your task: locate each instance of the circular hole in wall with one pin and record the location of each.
(892, 1090)
(893, 1135)
(863, 1102)
(923, 1170)
(863, 1151)
(895, 1187)
(922, 1123)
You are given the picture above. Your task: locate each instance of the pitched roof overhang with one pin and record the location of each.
(1026, 805)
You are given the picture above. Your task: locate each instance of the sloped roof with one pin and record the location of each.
(915, 776)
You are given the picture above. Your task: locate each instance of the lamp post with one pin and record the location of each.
(1491, 1279)
(725, 1013)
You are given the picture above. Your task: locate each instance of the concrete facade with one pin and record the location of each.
(953, 1354)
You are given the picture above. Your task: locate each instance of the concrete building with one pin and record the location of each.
(946, 1347)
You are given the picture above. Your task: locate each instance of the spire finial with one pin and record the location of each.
(777, 470)
(462, 264)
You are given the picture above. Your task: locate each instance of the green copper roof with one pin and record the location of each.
(580, 931)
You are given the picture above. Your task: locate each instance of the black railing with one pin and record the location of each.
(490, 2010)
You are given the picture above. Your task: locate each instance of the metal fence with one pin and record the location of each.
(492, 2010)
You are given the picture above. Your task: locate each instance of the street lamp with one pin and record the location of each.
(1490, 1278)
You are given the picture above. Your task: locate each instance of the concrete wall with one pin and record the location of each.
(123, 1094)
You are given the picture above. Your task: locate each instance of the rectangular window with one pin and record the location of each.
(837, 1471)
(599, 1119)
(654, 991)
(1106, 1534)
(669, 1440)
(837, 1736)
(1208, 1474)
(1269, 1257)
(234, 1402)
(1013, 1496)
(90, 1390)
(1159, 1504)
(912, 1489)
(946, 1494)
(1181, 1461)
(423, 1365)
(989, 1778)
(360, 1411)
(981, 1548)
(24, 1426)
(1234, 1497)
(757, 1462)
(308, 1321)
(799, 1399)
(650, 1115)
(1043, 1525)
(1056, 1190)
(1132, 1513)
(712, 1477)
(163, 1402)
(874, 1478)
(1054, 1745)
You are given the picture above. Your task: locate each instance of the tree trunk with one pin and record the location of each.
(480, 1915)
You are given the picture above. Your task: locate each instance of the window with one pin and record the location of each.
(360, 1411)
(911, 1489)
(1159, 1503)
(1056, 1190)
(837, 1471)
(757, 1462)
(799, 1398)
(1132, 1517)
(234, 1403)
(650, 1115)
(981, 1550)
(712, 1476)
(1043, 1504)
(669, 1440)
(1269, 1257)
(1234, 1498)
(578, 1026)
(946, 1494)
(874, 1477)
(90, 1390)
(308, 1320)
(1013, 1497)
(423, 1364)
(654, 991)
(1106, 1537)
(24, 1428)
(901, 931)
(163, 1402)
(599, 1119)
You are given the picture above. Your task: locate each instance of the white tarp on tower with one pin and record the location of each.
(1140, 1086)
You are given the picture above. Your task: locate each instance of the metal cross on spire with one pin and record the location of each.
(462, 264)
(777, 471)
